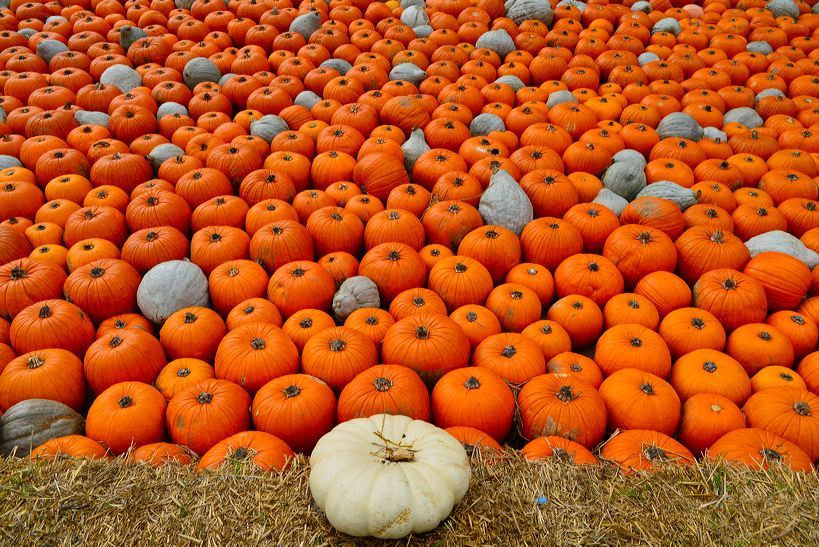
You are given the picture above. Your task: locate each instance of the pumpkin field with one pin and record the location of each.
(460, 270)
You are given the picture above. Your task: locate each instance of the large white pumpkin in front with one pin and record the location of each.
(388, 476)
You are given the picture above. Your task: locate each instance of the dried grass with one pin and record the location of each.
(111, 503)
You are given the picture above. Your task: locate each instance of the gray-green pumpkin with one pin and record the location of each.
(30, 423)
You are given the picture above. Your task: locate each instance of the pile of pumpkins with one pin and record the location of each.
(582, 229)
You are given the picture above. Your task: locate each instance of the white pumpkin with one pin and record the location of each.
(681, 196)
(745, 115)
(781, 8)
(199, 70)
(414, 16)
(625, 178)
(505, 203)
(667, 24)
(307, 99)
(7, 161)
(91, 117)
(562, 96)
(413, 147)
(611, 201)
(355, 292)
(268, 126)
(778, 241)
(521, 10)
(681, 125)
(130, 34)
(498, 41)
(388, 476)
(171, 286)
(122, 77)
(169, 109)
(485, 123)
(339, 64)
(422, 31)
(306, 24)
(163, 152)
(408, 72)
(759, 46)
(512, 81)
(46, 49)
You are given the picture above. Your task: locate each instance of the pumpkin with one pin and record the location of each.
(687, 329)
(30, 375)
(103, 288)
(26, 281)
(30, 423)
(643, 450)
(788, 412)
(192, 332)
(553, 448)
(337, 355)
(159, 454)
(347, 452)
(636, 399)
(505, 204)
(785, 279)
(171, 286)
(125, 355)
(564, 406)
(384, 389)
(394, 268)
(206, 413)
(293, 278)
(632, 346)
(706, 418)
(125, 415)
(297, 408)
(73, 446)
(264, 450)
(355, 293)
(759, 449)
(757, 345)
(35, 327)
(252, 354)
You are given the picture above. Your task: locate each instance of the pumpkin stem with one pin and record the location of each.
(257, 344)
(204, 398)
(422, 333)
(709, 366)
(382, 384)
(654, 452)
(647, 389)
(472, 383)
(125, 402)
(802, 408)
(509, 351)
(291, 391)
(566, 394)
(190, 317)
(698, 323)
(770, 455)
(115, 341)
(182, 372)
(45, 312)
(337, 345)
(18, 273)
(35, 361)
(242, 453)
(97, 272)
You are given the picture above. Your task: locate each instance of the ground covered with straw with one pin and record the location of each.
(509, 502)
